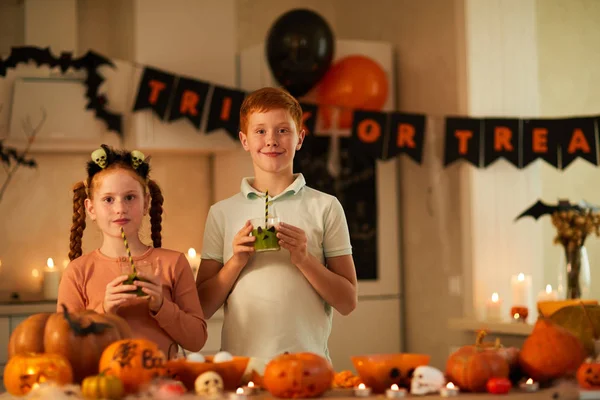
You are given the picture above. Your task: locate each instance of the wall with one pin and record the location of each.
(568, 81)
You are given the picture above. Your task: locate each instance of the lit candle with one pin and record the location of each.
(530, 385)
(239, 394)
(521, 290)
(194, 259)
(249, 389)
(548, 294)
(449, 391)
(51, 281)
(493, 308)
(362, 390)
(394, 392)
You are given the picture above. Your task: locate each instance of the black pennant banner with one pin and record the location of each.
(578, 140)
(501, 140)
(155, 91)
(224, 110)
(189, 101)
(463, 140)
(309, 117)
(406, 135)
(540, 140)
(368, 132)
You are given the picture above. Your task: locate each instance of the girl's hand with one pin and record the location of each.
(116, 294)
(243, 245)
(294, 240)
(153, 288)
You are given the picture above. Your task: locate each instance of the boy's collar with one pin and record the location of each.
(250, 193)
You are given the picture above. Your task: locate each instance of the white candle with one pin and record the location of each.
(362, 391)
(238, 395)
(50, 281)
(249, 389)
(521, 291)
(548, 294)
(194, 259)
(449, 391)
(530, 385)
(395, 392)
(493, 308)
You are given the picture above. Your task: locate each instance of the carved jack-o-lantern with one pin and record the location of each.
(136, 362)
(298, 375)
(24, 371)
(588, 375)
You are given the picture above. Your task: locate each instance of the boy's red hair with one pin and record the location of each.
(267, 99)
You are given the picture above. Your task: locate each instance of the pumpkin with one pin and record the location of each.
(298, 375)
(80, 337)
(550, 352)
(470, 367)
(588, 374)
(23, 371)
(102, 387)
(135, 362)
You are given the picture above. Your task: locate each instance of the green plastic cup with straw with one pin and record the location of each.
(132, 277)
(264, 230)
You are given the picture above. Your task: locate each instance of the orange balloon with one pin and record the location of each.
(353, 82)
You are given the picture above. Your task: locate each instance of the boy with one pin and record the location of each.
(277, 301)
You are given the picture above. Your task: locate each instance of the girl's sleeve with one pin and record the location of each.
(70, 291)
(182, 318)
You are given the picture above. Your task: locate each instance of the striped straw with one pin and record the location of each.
(127, 249)
(266, 208)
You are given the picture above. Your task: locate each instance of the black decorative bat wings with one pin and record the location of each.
(90, 62)
(540, 208)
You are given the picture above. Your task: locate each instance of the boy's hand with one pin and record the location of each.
(153, 287)
(116, 294)
(243, 245)
(294, 240)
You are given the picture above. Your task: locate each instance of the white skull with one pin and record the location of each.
(99, 157)
(426, 380)
(137, 157)
(209, 384)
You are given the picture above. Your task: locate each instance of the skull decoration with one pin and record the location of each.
(137, 158)
(209, 384)
(99, 157)
(426, 380)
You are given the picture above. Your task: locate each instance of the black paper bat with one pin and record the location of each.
(90, 61)
(540, 208)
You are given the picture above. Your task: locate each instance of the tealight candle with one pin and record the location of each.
(449, 390)
(239, 394)
(362, 391)
(493, 308)
(530, 385)
(395, 392)
(249, 389)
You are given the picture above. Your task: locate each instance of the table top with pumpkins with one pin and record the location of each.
(45, 360)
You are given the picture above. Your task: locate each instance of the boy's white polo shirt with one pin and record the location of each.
(272, 308)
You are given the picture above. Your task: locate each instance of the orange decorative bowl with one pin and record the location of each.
(186, 371)
(380, 371)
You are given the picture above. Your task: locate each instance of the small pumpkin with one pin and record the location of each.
(298, 375)
(550, 352)
(588, 374)
(23, 371)
(135, 362)
(80, 337)
(102, 386)
(470, 367)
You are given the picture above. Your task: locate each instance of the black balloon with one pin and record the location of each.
(299, 50)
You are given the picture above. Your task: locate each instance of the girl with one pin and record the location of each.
(116, 195)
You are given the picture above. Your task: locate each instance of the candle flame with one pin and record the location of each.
(548, 289)
(251, 384)
(395, 387)
(35, 273)
(50, 263)
(192, 252)
(35, 386)
(529, 381)
(521, 277)
(495, 297)
(362, 386)
(516, 316)
(450, 385)
(239, 391)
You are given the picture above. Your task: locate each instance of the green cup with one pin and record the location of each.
(143, 266)
(266, 234)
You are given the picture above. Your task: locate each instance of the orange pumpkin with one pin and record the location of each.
(470, 367)
(298, 375)
(79, 337)
(550, 352)
(23, 371)
(134, 361)
(588, 374)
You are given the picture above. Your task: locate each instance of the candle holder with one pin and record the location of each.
(395, 392)
(450, 390)
(529, 385)
(519, 314)
(362, 390)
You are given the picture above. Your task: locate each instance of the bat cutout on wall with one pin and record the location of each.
(90, 62)
(539, 208)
